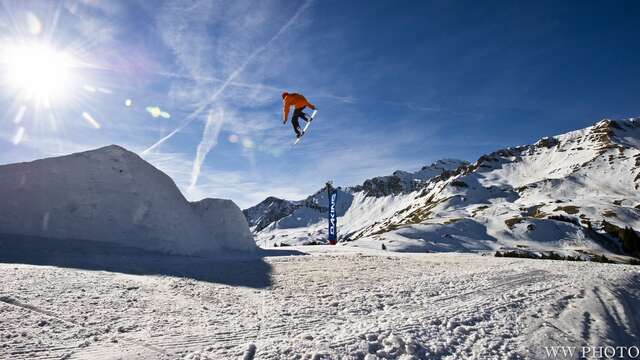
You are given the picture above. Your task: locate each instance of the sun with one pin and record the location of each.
(36, 71)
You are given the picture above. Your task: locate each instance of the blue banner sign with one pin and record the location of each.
(333, 219)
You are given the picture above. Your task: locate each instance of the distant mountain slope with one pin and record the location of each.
(404, 182)
(370, 197)
(572, 193)
(111, 195)
(269, 210)
(273, 209)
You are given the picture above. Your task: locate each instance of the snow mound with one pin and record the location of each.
(112, 195)
(225, 222)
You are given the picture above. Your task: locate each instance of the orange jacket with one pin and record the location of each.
(296, 100)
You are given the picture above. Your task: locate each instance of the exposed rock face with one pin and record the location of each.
(112, 195)
(384, 185)
(546, 142)
(402, 182)
(268, 211)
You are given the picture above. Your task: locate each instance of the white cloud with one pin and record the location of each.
(193, 51)
(94, 21)
(109, 8)
(209, 140)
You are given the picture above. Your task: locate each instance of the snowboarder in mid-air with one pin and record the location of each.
(299, 103)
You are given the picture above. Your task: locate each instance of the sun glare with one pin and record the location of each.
(37, 71)
(48, 81)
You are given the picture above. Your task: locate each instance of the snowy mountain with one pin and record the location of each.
(112, 195)
(269, 210)
(274, 213)
(273, 209)
(402, 182)
(574, 194)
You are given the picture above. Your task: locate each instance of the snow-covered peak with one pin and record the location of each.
(626, 133)
(604, 134)
(113, 152)
(430, 171)
(404, 182)
(447, 164)
(268, 211)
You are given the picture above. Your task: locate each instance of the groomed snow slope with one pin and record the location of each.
(113, 196)
(557, 195)
(338, 303)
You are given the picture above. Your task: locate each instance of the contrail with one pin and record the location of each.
(215, 79)
(209, 140)
(231, 77)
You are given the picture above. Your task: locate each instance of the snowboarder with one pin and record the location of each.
(299, 103)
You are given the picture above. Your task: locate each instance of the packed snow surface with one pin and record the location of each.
(111, 195)
(335, 303)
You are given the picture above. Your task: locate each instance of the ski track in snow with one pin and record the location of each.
(338, 303)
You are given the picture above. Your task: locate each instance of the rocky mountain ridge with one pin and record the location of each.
(573, 193)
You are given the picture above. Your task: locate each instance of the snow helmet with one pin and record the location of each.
(284, 94)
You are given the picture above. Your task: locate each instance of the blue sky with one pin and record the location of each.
(397, 85)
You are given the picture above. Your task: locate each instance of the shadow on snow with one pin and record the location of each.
(236, 269)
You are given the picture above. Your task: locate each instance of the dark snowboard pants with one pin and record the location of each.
(297, 113)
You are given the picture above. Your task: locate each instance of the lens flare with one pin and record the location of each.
(90, 120)
(45, 74)
(247, 143)
(33, 23)
(156, 112)
(20, 114)
(36, 71)
(17, 138)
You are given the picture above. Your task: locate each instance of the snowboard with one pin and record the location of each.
(304, 131)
